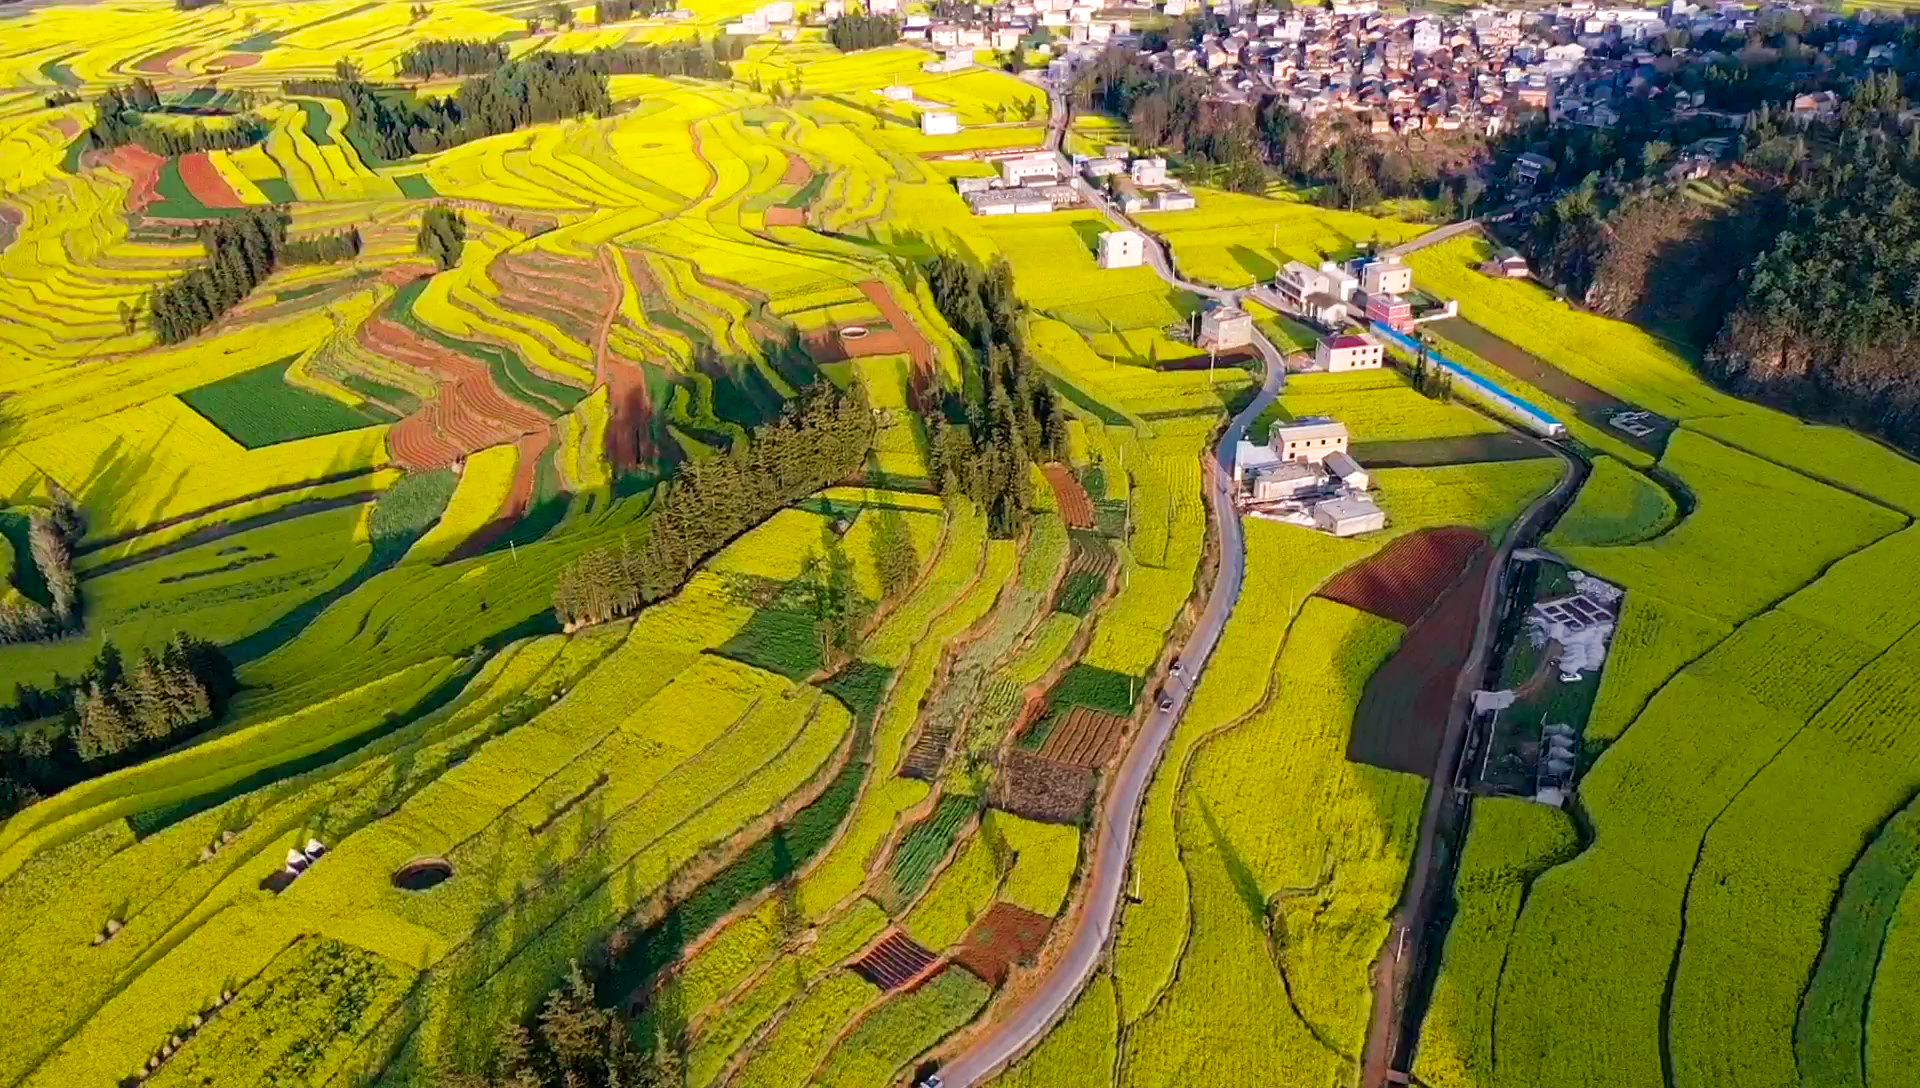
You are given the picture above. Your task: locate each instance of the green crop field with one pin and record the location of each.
(461, 534)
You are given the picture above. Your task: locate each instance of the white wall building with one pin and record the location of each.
(1308, 439)
(1350, 352)
(1149, 171)
(1386, 276)
(1225, 327)
(939, 123)
(1122, 249)
(1040, 167)
(1348, 517)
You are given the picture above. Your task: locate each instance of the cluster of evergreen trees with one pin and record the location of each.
(451, 58)
(443, 235)
(850, 32)
(546, 87)
(984, 448)
(574, 1043)
(688, 58)
(117, 121)
(109, 717)
(614, 11)
(1827, 314)
(51, 537)
(331, 248)
(822, 437)
(164, 696)
(557, 13)
(242, 250)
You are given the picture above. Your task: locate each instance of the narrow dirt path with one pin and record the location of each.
(1390, 1037)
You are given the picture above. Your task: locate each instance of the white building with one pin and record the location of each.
(1348, 517)
(1278, 482)
(1010, 202)
(955, 60)
(1344, 468)
(779, 12)
(939, 123)
(752, 24)
(1297, 283)
(1350, 352)
(1173, 200)
(1308, 439)
(1122, 249)
(1041, 167)
(1387, 275)
(1225, 327)
(1148, 172)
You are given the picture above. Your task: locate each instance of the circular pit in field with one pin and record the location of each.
(853, 332)
(423, 873)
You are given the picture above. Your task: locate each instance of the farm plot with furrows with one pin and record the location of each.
(905, 1026)
(894, 962)
(1040, 789)
(1075, 507)
(1404, 579)
(1401, 717)
(924, 844)
(1086, 738)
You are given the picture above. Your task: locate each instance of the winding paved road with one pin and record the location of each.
(1022, 1026)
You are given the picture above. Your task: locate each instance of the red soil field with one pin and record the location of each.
(797, 171)
(1404, 579)
(894, 962)
(570, 295)
(1004, 936)
(1075, 506)
(67, 127)
(629, 439)
(1087, 738)
(526, 474)
(470, 413)
(140, 166)
(1402, 716)
(1041, 789)
(786, 217)
(206, 184)
(158, 63)
(232, 61)
(9, 225)
(917, 345)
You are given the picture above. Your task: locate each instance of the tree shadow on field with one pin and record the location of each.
(1245, 884)
(1090, 231)
(1260, 266)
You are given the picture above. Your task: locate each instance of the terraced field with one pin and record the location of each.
(817, 802)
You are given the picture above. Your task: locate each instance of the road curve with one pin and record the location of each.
(1021, 1027)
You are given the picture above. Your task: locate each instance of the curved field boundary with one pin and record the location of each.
(526, 474)
(1404, 580)
(1402, 717)
(470, 413)
(918, 347)
(141, 168)
(206, 184)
